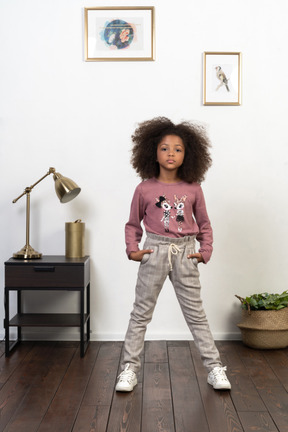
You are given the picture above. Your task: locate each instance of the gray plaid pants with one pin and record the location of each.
(169, 259)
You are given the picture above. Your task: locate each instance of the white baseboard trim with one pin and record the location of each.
(161, 336)
(62, 335)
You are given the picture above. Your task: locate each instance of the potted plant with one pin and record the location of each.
(264, 322)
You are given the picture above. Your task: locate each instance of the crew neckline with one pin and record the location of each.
(168, 184)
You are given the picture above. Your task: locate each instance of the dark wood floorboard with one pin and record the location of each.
(48, 387)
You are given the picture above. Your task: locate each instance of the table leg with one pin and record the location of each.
(6, 322)
(19, 311)
(88, 311)
(82, 342)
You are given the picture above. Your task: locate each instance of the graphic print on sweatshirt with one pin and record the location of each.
(179, 204)
(164, 203)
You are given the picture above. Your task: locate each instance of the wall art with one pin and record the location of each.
(222, 78)
(119, 33)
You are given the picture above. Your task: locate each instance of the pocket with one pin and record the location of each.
(145, 257)
(189, 251)
(195, 262)
(148, 256)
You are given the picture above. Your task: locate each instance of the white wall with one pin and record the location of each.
(58, 110)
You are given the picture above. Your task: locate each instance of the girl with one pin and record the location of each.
(171, 160)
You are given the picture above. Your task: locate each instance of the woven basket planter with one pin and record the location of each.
(265, 329)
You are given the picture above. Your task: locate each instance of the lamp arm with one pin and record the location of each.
(29, 188)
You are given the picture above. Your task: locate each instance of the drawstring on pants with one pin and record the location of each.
(173, 250)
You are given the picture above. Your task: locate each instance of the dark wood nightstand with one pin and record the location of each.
(49, 273)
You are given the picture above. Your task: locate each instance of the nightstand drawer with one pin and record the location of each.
(42, 276)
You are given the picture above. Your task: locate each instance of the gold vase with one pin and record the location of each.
(74, 239)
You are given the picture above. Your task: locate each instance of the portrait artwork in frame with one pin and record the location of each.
(119, 33)
(222, 78)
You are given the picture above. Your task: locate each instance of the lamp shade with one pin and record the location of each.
(66, 189)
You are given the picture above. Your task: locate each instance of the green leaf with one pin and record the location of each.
(265, 301)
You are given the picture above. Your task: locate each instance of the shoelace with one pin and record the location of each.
(173, 250)
(126, 375)
(220, 372)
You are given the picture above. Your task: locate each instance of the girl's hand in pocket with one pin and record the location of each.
(137, 256)
(196, 255)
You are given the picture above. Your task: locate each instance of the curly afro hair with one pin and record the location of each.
(148, 135)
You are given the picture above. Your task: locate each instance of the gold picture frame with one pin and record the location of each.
(222, 78)
(119, 34)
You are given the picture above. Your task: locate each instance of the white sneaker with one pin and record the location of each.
(126, 380)
(218, 379)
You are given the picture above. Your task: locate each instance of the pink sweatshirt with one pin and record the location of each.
(171, 210)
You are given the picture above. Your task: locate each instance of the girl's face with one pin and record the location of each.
(170, 153)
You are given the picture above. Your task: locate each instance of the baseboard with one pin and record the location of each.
(68, 335)
(162, 336)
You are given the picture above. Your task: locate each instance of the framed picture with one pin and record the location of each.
(222, 78)
(119, 33)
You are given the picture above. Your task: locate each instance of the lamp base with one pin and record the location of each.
(27, 252)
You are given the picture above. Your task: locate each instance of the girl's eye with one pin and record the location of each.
(163, 149)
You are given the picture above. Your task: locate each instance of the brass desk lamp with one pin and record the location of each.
(66, 190)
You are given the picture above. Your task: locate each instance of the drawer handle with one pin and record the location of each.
(44, 269)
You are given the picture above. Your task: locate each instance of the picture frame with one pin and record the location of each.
(222, 78)
(119, 34)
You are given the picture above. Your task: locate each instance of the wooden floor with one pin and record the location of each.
(48, 387)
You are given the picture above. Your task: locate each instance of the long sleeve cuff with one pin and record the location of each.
(206, 255)
(131, 248)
